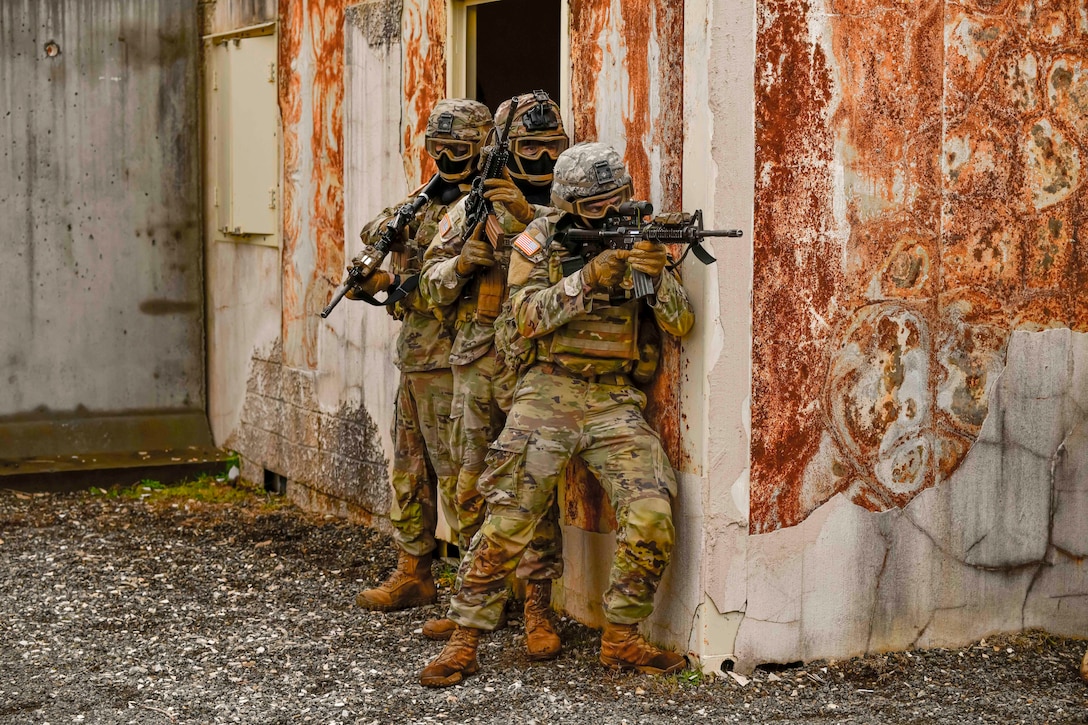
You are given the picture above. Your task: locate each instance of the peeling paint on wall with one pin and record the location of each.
(311, 60)
(424, 66)
(919, 195)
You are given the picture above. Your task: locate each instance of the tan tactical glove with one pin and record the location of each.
(503, 191)
(649, 257)
(476, 253)
(378, 281)
(606, 269)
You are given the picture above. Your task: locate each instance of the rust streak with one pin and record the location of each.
(589, 18)
(636, 115)
(290, 103)
(794, 273)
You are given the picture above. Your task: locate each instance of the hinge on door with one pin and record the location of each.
(215, 196)
(271, 198)
(215, 80)
(272, 72)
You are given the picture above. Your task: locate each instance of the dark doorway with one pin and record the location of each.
(517, 49)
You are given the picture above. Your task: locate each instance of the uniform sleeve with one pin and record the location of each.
(539, 306)
(372, 231)
(673, 310)
(439, 283)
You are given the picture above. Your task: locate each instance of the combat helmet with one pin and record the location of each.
(456, 130)
(536, 137)
(590, 180)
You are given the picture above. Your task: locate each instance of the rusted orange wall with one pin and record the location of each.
(919, 195)
(424, 80)
(311, 97)
(639, 46)
(311, 61)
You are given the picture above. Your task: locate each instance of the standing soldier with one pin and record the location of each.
(576, 399)
(423, 467)
(471, 273)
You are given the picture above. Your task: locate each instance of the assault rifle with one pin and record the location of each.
(477, 211)
(374, 254)
(634, 221)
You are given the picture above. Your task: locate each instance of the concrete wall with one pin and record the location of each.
(102, 282)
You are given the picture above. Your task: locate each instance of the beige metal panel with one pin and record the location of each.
(243, 135)
(253, 141)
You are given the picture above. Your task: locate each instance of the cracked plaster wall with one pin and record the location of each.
(1000, 546)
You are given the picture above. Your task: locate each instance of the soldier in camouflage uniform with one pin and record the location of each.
(483, 384)
(576, 399)
(423, 467)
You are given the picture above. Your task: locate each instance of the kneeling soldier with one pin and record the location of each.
(576, 399)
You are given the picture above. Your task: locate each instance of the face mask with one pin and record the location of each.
(539, 167)
(448, 167)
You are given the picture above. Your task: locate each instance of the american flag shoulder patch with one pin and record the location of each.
(527, 245)
(444, 226)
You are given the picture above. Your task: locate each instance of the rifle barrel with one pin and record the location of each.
(721, 233)
(337, 296)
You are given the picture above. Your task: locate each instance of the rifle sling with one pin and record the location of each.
(407, 286)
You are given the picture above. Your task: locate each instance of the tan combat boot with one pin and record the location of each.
(456, 662)
(411, 585)
(540, 637)
(622, 647)
(1084, 667)
(439, 630)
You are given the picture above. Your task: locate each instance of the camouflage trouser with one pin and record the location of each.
(422, 461)
(483, 394)
(554, 418)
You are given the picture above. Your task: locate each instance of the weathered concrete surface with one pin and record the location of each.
(996, 547)
(718, 177)
(101, 284)
(283, 429)
(919, 193)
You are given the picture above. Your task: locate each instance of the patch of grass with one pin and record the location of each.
(204, 488)
(689, 678)
(446, 575)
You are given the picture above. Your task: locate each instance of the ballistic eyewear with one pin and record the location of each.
(533, 147)
(598, 205)
(454, 149)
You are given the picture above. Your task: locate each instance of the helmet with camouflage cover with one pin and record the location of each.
(590, 179)
(456, 130)
(536, 137)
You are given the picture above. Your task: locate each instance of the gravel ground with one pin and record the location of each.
(170, 610)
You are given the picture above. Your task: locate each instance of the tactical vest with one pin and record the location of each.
(406, 259)
(598, 342)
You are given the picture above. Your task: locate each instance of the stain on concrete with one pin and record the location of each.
(335, 454)
(378, 19)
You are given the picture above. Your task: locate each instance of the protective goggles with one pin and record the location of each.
(533, 147)
(454, 149)
(598, 205)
